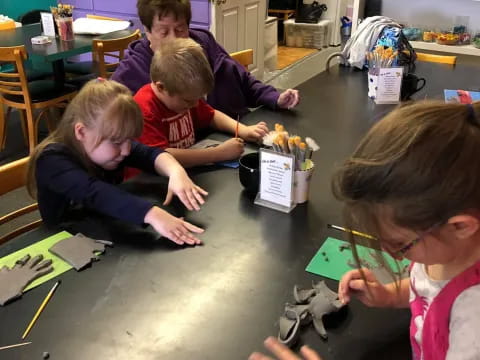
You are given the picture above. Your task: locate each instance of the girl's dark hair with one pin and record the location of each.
(415, 168)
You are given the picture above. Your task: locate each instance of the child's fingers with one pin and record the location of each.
(201, 191)
(358, 285)
(169, 197)
(259, 356)
(308, 353)
(185, 201)
(175, 238)
(186, 237)
(279, 350)
(198, 196)
(192, 228)
(192, 199)
(343, 286)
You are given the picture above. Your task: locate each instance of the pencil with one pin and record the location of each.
(354, 232)
(40, 309)
(236, 129)
(14, 345)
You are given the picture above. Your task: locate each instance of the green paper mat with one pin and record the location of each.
(41, 247)
(337, 264)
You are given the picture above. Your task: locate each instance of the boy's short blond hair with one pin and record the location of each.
(182, 67)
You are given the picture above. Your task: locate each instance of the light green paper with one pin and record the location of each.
(41, 247)
(337, 264)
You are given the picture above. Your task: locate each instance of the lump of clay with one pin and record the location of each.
(79, 250)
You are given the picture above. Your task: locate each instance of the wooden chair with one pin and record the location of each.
(244, 57)
(13, 176)
(114, 48)
(16, 92)
(444, 59)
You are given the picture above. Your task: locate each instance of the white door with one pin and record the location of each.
(239, 25)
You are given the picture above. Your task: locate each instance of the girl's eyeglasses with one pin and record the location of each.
(403, 250)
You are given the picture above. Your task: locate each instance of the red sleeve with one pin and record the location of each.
(154, 131)
(202, 115)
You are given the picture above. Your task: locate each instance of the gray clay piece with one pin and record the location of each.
(79, 250)
(311, 305)
(13, 281)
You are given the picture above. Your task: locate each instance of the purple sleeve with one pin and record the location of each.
(226, 71)
(134, 70)
(63, 176)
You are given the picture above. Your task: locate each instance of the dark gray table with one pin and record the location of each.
(56, 51)
(149, 299)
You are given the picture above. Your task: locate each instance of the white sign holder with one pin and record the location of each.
(48, 25)
(276, 181)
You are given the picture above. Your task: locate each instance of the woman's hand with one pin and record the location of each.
(173, 228)
(284, 353)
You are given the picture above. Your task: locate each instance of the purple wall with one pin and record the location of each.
(127, 10)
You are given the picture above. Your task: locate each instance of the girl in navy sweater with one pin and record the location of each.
(83, 159)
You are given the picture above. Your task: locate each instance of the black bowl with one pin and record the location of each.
(249, 172)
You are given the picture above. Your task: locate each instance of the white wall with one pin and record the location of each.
(436, 13)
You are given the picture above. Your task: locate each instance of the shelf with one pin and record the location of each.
(454, 49)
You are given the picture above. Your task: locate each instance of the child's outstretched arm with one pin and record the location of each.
(252, 133)
(180, 184)
(228, 150)
(374, 293)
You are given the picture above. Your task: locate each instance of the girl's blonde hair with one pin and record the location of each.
(415, 168)
(104, 105)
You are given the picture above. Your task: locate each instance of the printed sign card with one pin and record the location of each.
(389, 84)
(276, 180)
(48, 25)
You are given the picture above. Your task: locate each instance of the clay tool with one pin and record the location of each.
(14, 345)
(354, 232)
(40, 309)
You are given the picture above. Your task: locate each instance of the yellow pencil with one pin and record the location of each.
(40, 309)
(354, 232)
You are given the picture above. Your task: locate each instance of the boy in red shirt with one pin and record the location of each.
(174, 109)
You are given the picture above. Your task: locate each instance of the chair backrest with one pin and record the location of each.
(444, 59)
(244, 57)
(14, 82)
(31, 17)
(13, 176)
(114, 48)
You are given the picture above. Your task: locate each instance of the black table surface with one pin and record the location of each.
(149, 299)
(57, 49)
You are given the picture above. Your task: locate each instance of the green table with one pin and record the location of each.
(55, 52)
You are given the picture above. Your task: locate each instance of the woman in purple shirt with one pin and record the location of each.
(235, 89)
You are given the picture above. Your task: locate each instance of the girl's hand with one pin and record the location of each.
(375, 295)
(283, 353)
(229, 150)
(253, 133)
(182, 186)
(173, 228)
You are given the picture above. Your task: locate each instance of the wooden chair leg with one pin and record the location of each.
(23, 122)
(3, 127)
(32, 131)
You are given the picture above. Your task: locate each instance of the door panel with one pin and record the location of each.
(239, 25)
